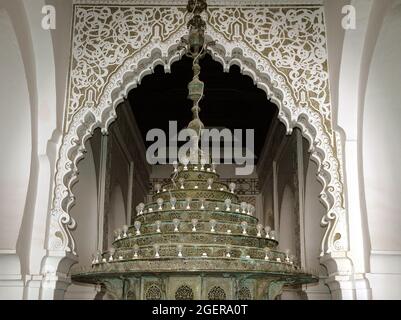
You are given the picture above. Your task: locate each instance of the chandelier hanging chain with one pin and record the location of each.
(194, 44)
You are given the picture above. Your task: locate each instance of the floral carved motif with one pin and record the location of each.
(293, 40)
(104, 37)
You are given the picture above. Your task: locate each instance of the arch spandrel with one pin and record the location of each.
(296, 81)
(124, 31)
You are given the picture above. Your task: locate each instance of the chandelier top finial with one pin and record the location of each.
(195, 47)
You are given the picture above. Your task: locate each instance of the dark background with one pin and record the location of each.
(231, 100)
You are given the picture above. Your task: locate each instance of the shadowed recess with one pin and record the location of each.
(231, 100)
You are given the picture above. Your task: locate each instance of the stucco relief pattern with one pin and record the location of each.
(104, 37)
(107, 63)
(293, 40)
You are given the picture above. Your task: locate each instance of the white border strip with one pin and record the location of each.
(209, 2)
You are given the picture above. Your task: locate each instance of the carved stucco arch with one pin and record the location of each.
(93, 97)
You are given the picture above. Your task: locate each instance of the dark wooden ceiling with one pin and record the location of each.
(231, 100)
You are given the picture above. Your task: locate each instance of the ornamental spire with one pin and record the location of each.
(196, 48)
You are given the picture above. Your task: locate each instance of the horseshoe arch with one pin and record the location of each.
(294, 78)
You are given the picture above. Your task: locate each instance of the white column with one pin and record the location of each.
(275, 199)
(11, 283)
(130, 191)
(102, 189)
(301, 196)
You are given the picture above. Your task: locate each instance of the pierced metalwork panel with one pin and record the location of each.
(195, 251)
(244, 294)
(188, 215)
(210, 195)
(195, 239)
(216, 293)
(185, 226)
(184, 293)
(153, 292)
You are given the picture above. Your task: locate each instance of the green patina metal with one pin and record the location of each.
(195, 240)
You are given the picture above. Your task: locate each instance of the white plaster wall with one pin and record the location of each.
(85, 214)
(36, 52)
(61, 46)
(119, 169)
(118, 193)
(381, 137)
(117, 214)
(354, 65)
(335, 41)
(85, 209)
(381, 158)
(313, 232)
(11, 284)
(287, 222)
(15, 135)
(267, 203)
(287, 237)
